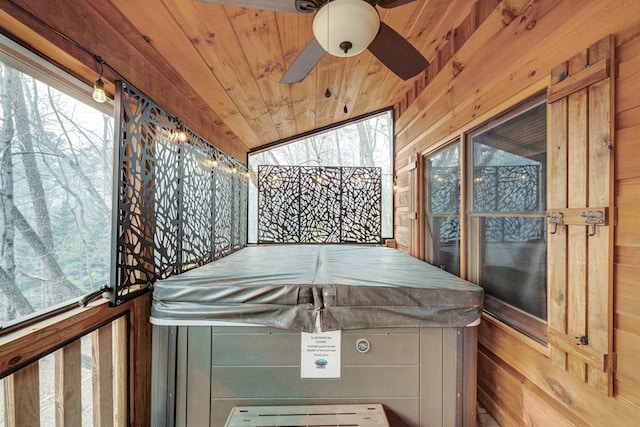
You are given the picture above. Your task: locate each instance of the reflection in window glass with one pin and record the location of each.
(508, 228)
(55, 196)
(442, 222)
(513, 262)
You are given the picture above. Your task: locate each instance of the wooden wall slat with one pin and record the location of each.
(120, 371)
(102, 375)
(627, 381)
(600, 193)
(577, 198)
(627, 289)
(139, 356)
(627, 164)
(22, 397)
(538, 412)
(556, 199)
(68, 391)
(504, 390)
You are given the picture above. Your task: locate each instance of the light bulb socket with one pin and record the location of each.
(345, 46)
(98, 91)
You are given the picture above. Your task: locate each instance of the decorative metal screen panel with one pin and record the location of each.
(181, 202)
(301, 204)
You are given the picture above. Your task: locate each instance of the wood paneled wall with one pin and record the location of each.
(503, 62)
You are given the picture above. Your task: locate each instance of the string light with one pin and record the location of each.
(98, 86)
(181, 134)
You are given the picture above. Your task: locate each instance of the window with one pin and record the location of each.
(442, 219)
(55, 187)
(500, 241)
(507, 216)
(367, 142)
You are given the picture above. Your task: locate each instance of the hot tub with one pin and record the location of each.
(229, 334)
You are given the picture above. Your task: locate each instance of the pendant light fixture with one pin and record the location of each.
(98, 86)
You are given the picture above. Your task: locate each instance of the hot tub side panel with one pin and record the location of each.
(423, 376)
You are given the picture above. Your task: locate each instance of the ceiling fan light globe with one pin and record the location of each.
(340, 21)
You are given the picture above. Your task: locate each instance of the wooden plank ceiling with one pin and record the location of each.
(234, 57)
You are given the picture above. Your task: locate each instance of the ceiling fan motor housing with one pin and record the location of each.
(342, 22)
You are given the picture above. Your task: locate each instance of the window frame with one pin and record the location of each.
(524, 323)
(29, 63)
(429, 251)
(388, 176)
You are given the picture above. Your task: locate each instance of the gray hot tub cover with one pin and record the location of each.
(287, 286)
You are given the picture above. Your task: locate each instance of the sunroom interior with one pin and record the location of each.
(482, 160)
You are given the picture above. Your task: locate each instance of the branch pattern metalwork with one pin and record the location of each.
(180, 202)
(302, 204)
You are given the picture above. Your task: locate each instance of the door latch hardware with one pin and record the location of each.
(593, 218)
(582, 340)
(555, 219)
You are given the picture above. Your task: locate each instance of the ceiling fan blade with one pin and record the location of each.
(304, 63)
(397, 53)
(388, 4)
(277, 5)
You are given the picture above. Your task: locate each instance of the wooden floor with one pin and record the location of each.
(484, 419)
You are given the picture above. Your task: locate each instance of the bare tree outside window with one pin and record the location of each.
(55, 196)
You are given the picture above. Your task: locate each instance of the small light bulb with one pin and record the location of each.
(182, 135)
(98, 91)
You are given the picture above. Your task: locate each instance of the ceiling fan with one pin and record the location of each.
(345, 28)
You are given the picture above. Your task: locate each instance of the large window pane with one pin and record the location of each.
(512, 256)
(442, 196)
(367, 143)
(55, 193)
(507, 239)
